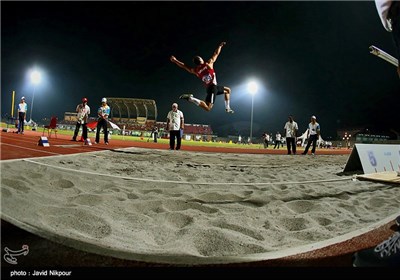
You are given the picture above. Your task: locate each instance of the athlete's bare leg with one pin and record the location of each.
(227, 95)
(206, 105)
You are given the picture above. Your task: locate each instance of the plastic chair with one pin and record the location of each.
(52, 126)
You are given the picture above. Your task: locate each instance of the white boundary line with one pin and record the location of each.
(36, 150)
(52, 156)
(183, 182)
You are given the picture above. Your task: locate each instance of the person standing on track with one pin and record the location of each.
(103, 112)
(22, 110)
(314, 130)
(83, 111)
(291, 128)
(175, 125)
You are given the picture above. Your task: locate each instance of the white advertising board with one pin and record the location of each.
(373, 158)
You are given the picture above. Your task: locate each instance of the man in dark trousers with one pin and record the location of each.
(175, 125)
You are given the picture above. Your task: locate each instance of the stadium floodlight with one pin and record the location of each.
(252, 88)
(36, 77)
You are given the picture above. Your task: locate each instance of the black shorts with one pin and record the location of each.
(212, 91)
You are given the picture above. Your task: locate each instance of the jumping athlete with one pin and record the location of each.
(205, 71)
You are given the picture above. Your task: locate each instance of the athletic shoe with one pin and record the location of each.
(398, 221)
(106, 143)
(230, 111)
(386, 253)
(186, 96)
(96, 142)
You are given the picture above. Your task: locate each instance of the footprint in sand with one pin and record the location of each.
(292, 224)
(301, 206)
(16, 184)
(62, 183)
(76, 221)
(177, 220)
(87, 199)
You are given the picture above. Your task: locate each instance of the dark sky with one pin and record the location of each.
(311, 58)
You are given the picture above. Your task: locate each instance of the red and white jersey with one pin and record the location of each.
(206, 74)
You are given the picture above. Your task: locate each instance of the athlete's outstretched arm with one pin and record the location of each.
(181, 64)
(216, 53)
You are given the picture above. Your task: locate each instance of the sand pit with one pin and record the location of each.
(188, 208)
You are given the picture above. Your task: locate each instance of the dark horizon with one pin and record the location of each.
(310, 58)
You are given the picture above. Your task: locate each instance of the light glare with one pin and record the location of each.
(252, 87)
(35, 77)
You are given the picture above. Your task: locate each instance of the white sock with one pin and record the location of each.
(194, 100)
(227, 106)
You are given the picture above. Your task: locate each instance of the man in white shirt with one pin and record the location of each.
(389, 13)
(22, 110)
(313, 134)
(83, 111)
(175, 124)
(291, 128)
(278, 140)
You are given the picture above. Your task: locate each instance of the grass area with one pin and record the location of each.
(160, 140)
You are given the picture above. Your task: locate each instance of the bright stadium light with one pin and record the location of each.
(36, 77)
(252, 87)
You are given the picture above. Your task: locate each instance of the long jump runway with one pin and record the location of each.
(23, 149)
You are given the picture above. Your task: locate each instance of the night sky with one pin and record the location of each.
(310, 58)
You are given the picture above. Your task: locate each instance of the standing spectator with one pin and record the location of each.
(389, 13)
(22, 110)
(175, 124)
(155, 134)
(83, 111)
(291, 128)
(103, 112)
(278, 142)
(239, 139)
(266, 138)
(314, 131)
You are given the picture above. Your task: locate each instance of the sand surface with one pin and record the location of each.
(190, 207)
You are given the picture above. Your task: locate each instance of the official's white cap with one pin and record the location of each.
(23, 97)
(175, 105)
(104, 99)
(314, 117)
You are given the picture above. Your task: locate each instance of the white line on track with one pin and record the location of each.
(185, 182)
